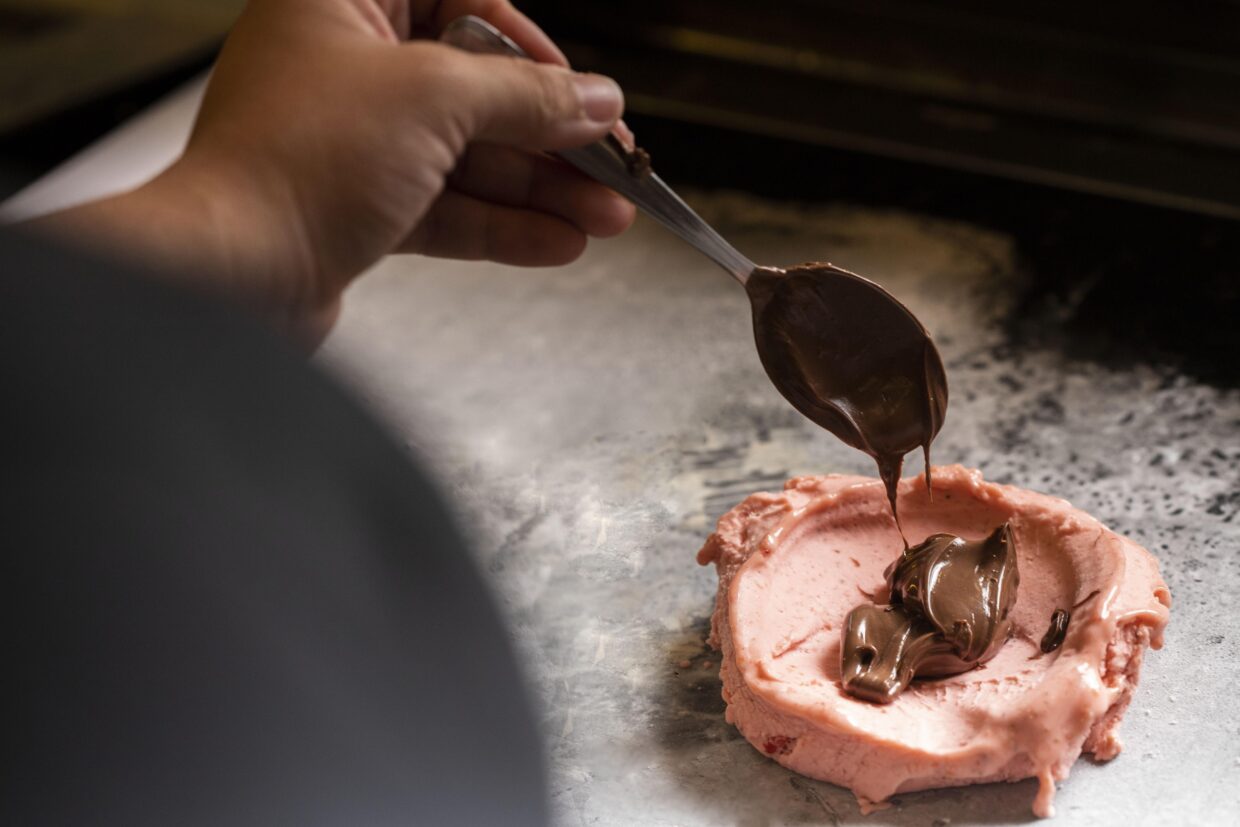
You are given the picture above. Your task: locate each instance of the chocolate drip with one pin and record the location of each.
(852, 359)
(889, 469)
(950, 601)
(1056, 632)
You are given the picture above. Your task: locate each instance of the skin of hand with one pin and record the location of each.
(334, 132)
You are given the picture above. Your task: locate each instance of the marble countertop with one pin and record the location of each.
(592, 422)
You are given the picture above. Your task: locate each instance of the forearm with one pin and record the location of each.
(200, 228)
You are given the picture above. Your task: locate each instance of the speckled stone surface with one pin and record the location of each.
(592, 422)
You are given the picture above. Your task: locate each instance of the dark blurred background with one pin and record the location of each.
(1105, 137)
(71, 70)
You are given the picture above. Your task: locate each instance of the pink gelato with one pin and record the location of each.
(791, 565)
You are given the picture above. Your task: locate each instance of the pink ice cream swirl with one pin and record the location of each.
(791, 566)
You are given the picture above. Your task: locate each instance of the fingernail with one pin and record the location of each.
(601, 98)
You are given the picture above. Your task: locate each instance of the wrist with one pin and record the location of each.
(232, 233)
(226, 230)
(200, 225)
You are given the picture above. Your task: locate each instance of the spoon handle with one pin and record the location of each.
(610, 163)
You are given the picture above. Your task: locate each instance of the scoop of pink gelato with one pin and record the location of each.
(791, 565)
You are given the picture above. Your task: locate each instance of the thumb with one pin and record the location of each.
(516, 102)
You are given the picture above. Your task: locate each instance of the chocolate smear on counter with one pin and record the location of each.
(852, 359)
(950, 601)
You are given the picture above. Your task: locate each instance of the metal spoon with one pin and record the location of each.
(839, 347)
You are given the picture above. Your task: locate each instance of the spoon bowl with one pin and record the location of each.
(851, 358)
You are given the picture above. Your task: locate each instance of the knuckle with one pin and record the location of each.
(439, 79)
(438, 68)
(553, 92)
(559, 94)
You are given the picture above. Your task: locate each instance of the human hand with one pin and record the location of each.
(330, 136)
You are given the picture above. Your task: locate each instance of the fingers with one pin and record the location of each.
(513, 102)
(626, 136)
(433, 16)
(430, 16)
(518, 208)
(522, 179)
(461, 227)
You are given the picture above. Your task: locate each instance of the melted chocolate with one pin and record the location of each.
(885, 647)
(1056, 632)
(950, 601)
(637, 162)
(854, 360)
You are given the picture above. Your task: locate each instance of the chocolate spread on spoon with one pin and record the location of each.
(950, 601)
(853, 359)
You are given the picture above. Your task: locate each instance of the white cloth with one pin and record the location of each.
(128, 156)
